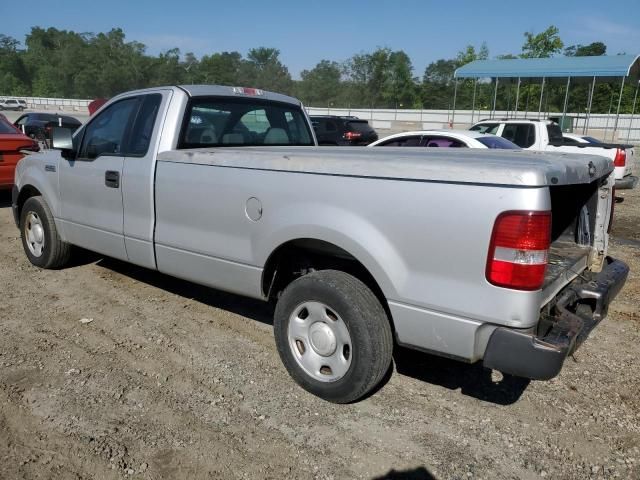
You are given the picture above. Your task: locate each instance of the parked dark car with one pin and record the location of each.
(335, 130)
(39, 125)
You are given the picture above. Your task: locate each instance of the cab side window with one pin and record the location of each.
(522, 134)
(105, 135)
(143, 126)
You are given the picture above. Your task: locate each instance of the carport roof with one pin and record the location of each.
(602, 66)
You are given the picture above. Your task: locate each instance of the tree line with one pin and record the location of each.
(60, 63)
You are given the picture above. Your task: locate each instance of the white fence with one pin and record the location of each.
(42, 103)
(602, 126)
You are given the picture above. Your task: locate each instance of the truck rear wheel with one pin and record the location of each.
(40, 239)
(333, 335)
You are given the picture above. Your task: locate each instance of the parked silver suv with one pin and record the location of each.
(13, 104)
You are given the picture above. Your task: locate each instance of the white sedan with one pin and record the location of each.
(444, 138)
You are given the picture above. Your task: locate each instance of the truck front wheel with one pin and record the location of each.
(333, 335)
(40, 239)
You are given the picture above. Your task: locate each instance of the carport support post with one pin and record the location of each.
(473, 102)
(589, 103)
(455, 94)
(633, 111)
(566, 102)
(541, 94)
(495, 99)
(515, 113)
(615, 125)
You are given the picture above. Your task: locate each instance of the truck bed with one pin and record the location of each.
(512, 167)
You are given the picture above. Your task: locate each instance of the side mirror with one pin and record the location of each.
(61, 140)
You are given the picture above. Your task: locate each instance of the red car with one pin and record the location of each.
(12, 141)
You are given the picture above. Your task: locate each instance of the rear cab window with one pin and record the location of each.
(223, 121)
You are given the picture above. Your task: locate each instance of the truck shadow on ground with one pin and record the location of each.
(247, 307)
(472, 380)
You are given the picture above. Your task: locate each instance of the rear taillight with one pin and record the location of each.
(352, 135)
(613, 203)
(519, 250)
(620, 159)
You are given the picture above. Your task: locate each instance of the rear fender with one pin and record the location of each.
(344, 229)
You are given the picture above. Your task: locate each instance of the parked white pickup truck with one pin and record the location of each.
(499, 257)
(546, 136)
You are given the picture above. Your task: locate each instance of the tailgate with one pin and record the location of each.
(579, 238)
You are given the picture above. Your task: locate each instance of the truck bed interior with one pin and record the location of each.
(574, 213)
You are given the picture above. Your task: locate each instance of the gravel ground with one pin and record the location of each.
(166, 379)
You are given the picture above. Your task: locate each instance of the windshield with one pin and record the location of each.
(592, 140)
(485, 127)
(220, 122)
(6, 127)
(497, 142)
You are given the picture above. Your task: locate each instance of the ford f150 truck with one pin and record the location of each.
(546, 136)
(499, 257)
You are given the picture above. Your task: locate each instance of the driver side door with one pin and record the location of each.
(91, 208)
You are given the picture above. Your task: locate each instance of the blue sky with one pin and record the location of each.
(307, 32)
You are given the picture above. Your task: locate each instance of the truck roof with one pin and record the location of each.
(223, 90)
(495, 167)
(216, 91)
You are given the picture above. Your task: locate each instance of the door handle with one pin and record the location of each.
(112, 179)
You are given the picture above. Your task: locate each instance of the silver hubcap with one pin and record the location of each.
(320, 341)
(34, 234)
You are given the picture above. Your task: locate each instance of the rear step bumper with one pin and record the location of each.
(578, 309)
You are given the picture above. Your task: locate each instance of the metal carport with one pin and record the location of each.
(604, 68)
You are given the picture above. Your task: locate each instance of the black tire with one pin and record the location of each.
(366, 321)
(55, 253)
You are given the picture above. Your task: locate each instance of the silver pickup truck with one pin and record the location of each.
(499, 257)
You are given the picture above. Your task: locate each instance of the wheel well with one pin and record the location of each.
(26, 193)
(296, 258)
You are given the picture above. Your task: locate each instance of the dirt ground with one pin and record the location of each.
(172, 380)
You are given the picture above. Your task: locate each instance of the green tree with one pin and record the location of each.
(438, 82)
(220, 68)
(541, 45)
(322, 84)
(400, 89)
(263, 69)
(14, 78)
(593, 49)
